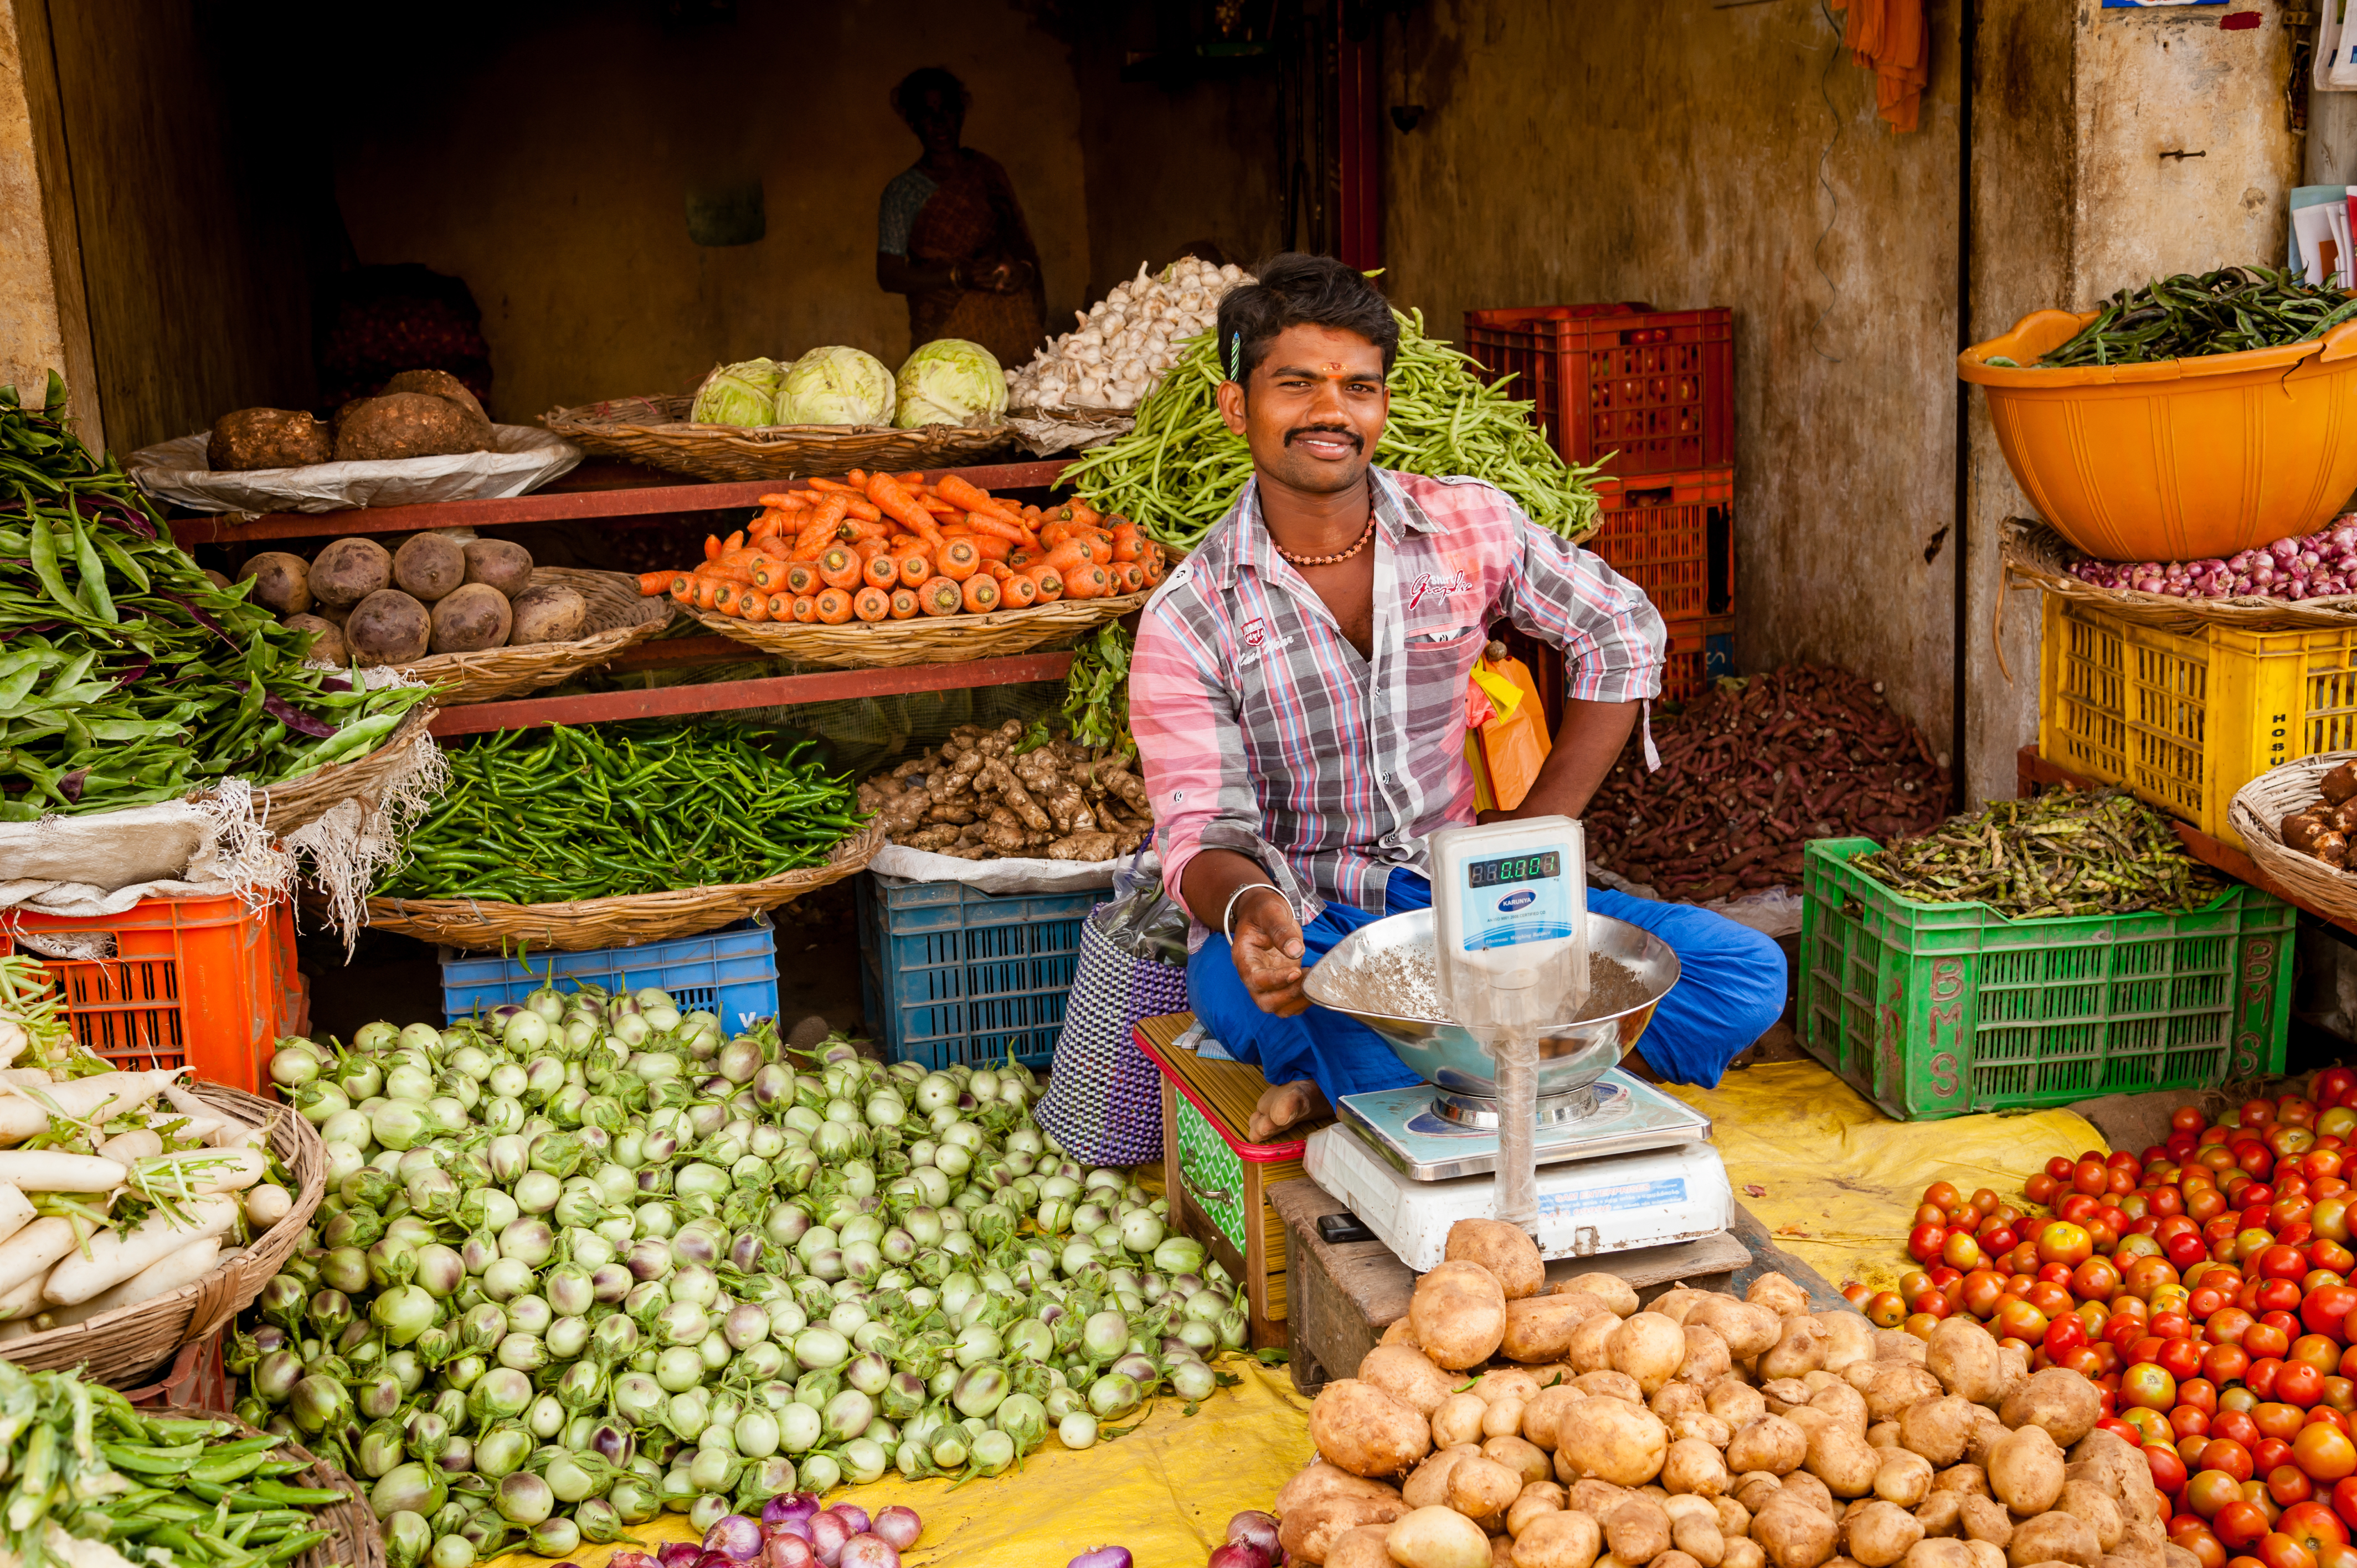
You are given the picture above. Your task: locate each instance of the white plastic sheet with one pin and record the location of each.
(521, 458)
(1013, 874)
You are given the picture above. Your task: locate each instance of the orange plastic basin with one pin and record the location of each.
(2180, 458)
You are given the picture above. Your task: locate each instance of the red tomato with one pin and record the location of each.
(2234, 1424)
(2289, 1484)
(2054, 1274)
(2265, 1340)
(2091, 1176)
(2279, 1295)
(1886, 1310)
(2020, 1320)
(2275, 1549)
(2187, 1422)
(2065, 1334)
(2147, 1386)
(1923, 1242)
(1981, 1289)
(2189, 1118)
(1943, 1193)
(2278, 1418)
(2256, 1113)
(2325, 1453)
(2240, 1524)
(2312, 1524)
(2074, 1206)
(1930, 1304)
(2039, 1188)
(2270, 1452)
(2181, 1359)
(2318, 1351)
(2064, 1242)
(2326, 1309)
(2061, 1167)
(2326, 1253)
(1962, 1251)
(2225, 1455)
(2211, 1491)
(2097, 1278)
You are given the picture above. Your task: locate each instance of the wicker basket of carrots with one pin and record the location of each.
(878, 569)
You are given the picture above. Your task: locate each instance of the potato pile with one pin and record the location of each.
(432, 594)
(1497, 1426)
(980, 795)
(420, 414)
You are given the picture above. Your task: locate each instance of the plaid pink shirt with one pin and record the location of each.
(1261, 730)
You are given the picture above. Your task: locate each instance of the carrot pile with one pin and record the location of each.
(893, 546)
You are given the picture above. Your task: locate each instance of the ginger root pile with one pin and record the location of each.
(981, 796)
(1498, 1425)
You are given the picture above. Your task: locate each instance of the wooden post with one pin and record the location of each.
(44, 317)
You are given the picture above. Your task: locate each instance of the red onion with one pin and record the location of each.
(784, 1551)
(864, 1550)
(1238, 1554)
(1102, 1557)
(852, 1514)
(734, 1536)
(828, 1532)
(798, 1527)
(1256, 1529)
(678, 1553)
(2293, 569)
(786, 1506)
(900, 1526)
(631, 1560)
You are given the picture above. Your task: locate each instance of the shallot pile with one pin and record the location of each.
(793, 1532)
(2305, 566)
(1127, 340)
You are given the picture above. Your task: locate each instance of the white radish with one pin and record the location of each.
(139, 1144)
(13, 1039)
(191, 1262)
(101, 1097)
(193, 1172)
(267, 1205)
(222, 1132)
(32, 1074)
(115, 1256)
(46, 1170)
(16, 1212)
(24, 1260)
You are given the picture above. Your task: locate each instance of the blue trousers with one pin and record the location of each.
(1730, 989)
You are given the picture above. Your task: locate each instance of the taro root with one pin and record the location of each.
(2339, 784)
(254, 438)
(2331, 848)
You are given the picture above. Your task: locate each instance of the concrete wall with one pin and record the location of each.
(552, 177)
(1693, 154)
(32, 341)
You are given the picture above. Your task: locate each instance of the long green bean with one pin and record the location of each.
(2186, 316)
(1179, 469)
(2066, 853)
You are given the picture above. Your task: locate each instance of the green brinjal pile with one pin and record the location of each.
(126, 675)
(559, 814)
(585, 1258)
(1176, 472)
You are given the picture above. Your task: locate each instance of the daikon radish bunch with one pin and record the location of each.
(1127, 340)
(33, 1029)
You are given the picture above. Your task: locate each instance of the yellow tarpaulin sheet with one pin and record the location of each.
(1836, 1182)
(1166, 1491)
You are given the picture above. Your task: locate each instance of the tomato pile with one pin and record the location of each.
(2204, 1286)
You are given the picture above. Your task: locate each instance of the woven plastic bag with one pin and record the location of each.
(1103, 1103)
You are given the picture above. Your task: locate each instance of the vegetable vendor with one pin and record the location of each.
(1298, 698)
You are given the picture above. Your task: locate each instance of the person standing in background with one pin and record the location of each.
(950, 232)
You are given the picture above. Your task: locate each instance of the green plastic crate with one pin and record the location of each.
(1933, 1010)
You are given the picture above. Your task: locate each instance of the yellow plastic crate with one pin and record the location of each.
(2185, 721)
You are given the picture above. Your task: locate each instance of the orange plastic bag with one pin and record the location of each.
(1506, 739)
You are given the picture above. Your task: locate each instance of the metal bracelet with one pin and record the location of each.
(1228, 915)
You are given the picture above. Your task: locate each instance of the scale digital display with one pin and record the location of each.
(1509, 869)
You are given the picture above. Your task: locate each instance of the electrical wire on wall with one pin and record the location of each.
(1817, 251)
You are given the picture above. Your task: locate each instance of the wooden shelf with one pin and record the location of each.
(2031, 771)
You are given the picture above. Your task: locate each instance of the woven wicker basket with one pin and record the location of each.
(656, 430)
(298, 803)
(2266, 800)
(354, 1540)
(2037, 556)
(590, 923)
(925, 639)
(122, 1348)
(619, 616)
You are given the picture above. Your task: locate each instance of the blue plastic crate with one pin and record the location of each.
(1718, 655)
(730, 973)
(949, 973)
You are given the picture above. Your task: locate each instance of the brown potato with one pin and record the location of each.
(1459, 1313)
(1408, 1376)
(1892, 1388)
(1503, 1418)
(1754, 1488)
(1742, 1551)
(1746, 1327)
(1437, 1538)
(254, 438)
(1694, 1466)
(1537, 1498)
(501, 563)
(1538, 1328)
(1506, 1250)
(1799, 1349)
(1427, 1485)
(2059, 1399)
(1526, 1459)
(1319, 1479)
(1934, 1552)
(1986, 1519)
(327, 640)
(1311, 1530)
(282, 582)
(1848, 1338)
(2053, 1538)
(1458, 1420)
(1839, 1456)
(1963, 1356)
(1543, 1417)
(1399, 1331)
(1967, 1480)
(388, 627)
(1479, 1487)
(1616, 1441)
(1794, 1534)
(1649, 1347)
(2087, 1501)
(1591, 1340)
(1707, 1357)
(1938, 1429)
(1676, 1302)
(1557, 1538)
(1674, 1400)
(2025, 1472)
(1783, 1394)
(1844, 1404)
(1903, 1477)
(1983, 1554)
(1700, 1423)
(1365, 1430)
(1609, 1384)
(473, 618)
(1897, 1345)
(1697, 1533)
(350, 570)
(1882, 1433)
(1771, 1444)
(1986, 1434)
(1595, 1496)
(1619, 1296)
(1361, 1547)
(1637, 1531)
(1942, 1513)
(430, 566)
(1779, 1294)
(1880, 1534)
(1502, 1383)
(549, 614)
(1802, 1486)
(1737, 1404)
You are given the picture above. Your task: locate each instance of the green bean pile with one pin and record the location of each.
(126, 676)
(2064, 853)
(2187, 317)
(82, 1465)
(555, 815)
(1178, 470)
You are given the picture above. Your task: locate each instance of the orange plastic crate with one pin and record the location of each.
(1651, 392)
(198, 982)
(1673, 536)
(1685, 674)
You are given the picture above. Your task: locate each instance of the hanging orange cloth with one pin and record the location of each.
(1886, 36)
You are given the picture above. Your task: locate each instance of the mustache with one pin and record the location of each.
(1342, 430)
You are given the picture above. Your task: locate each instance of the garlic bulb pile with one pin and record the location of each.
(1122, 347)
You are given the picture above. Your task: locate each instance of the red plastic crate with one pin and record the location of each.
(1685, 673)
(1673, 536)
(1654, 390)
(200, 982)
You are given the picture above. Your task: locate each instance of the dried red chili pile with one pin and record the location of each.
(1749, 777)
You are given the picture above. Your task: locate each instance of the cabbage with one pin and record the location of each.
(738, 394)
(950, 382)
(835, 386)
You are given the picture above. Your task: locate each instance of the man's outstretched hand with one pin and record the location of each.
(1267, 952)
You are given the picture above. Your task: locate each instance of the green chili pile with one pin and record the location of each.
(2188, 316)
(555, 815)
(126, 677)
(2063, 853)
(1176, 472)
(83, 1466)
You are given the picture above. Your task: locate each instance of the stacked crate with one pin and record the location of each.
(1651, 393)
